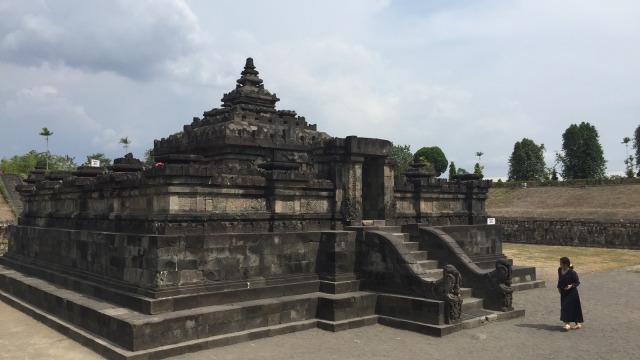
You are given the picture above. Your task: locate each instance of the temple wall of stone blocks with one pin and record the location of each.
(440, 202)
(623, 234)
(251, 203)
(476, 240)
(155, 261)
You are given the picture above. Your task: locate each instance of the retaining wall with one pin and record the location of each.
(4, 235)
(624, 234)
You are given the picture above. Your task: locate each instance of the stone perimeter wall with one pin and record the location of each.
(623, 234)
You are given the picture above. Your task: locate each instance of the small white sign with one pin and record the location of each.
(491, 221)
(95, 163)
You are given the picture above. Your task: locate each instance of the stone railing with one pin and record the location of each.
(623, 234)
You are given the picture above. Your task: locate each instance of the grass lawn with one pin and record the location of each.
(585, 260)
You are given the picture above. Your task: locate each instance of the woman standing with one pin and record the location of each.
(570, 308)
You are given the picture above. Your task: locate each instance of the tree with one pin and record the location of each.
(22, 165)
(148, 158)
(526, 162)
(628, 162)
(625, 141)
(46, 133)
(479, 155)
(583, 157)
(435, 156)
(478, 169)
(403, 157)
(104, 161)
(125, 142)
(636, 145)
(65, 162)
(452, 170)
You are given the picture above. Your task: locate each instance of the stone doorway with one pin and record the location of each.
(373, 188)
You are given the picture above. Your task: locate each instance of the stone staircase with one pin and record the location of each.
(423, 315)
(523, 277)
(10, 181)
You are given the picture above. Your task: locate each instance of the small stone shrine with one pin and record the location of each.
(252, 224)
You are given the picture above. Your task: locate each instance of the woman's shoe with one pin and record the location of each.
(576, 327)
(566, 327)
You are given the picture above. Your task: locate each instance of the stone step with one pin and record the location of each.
(10, 183)
(528, 285)
(341, 307)
(419, 255)
(391, 229)
(342, 325)
(432, 274)
(429, 264)
(340, 287)
(111, 351)
(368, 223)
(135, 331)
(201, 296)
(523, 273)
(469, 320)
(402, 236)
(471, 303)
(412, 245)
(138, 332)
(488, 261)
(412, 308)
(466, 292)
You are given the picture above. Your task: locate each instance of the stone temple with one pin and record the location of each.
(252, 224)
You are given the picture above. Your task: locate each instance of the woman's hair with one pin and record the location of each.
(565, 261)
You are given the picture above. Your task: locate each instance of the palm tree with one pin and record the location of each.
(479, 155)
(46, 133)
(626, 141)
(125, 142)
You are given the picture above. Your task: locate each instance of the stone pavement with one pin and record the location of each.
(611, 331)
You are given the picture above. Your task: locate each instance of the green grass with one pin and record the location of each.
(586, 260)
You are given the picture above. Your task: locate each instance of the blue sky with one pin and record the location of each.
(466, 76)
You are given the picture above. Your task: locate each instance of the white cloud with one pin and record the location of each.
(466, 76)
(133, 39)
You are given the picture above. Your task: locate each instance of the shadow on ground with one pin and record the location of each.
(547, 327)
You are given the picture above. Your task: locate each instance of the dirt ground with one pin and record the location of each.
(585, 260)
(603, 202)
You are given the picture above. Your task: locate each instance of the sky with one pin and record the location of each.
(467, 76)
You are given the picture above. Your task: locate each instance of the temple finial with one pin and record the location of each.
(249, 90)
(249, 74)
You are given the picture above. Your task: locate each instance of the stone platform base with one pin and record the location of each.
(113, 351)
(118, 332)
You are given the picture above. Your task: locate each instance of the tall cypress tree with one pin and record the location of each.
(636, 145)
(526, 161)
(583, 157)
